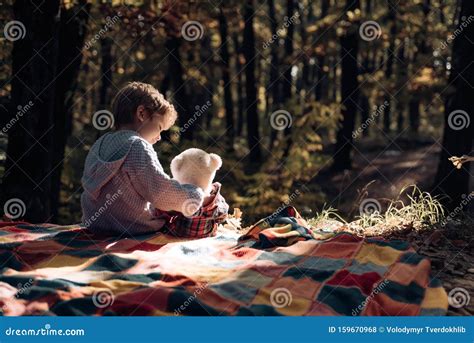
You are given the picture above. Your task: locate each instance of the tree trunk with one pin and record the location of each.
(424, 44)
(305, 72)
(203, 93)
(71, 41)
(459, 114)
(363, 98)
(333, 65)
(240, 87)
(287, 78)
(415, 97)
(229, 106)
(177, 79)
(31, 140)
(324, 8)
(164, 87)
(364, 112)
(253, 135)
(274, 87)
(392, 17)
(349, 92)
(402, 79)
(321, 74)
(442, 18)
(414, 113)
(106, 70)
(368, 7)
(165, 84)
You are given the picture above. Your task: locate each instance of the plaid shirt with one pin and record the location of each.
(201, 224)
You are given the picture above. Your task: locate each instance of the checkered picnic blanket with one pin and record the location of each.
(280, 267)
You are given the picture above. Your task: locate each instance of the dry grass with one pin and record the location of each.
(412, 209)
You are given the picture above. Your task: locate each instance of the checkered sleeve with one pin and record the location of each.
(154, 185)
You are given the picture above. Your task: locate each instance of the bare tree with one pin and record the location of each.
(349, 92)
(253, 134)
(30, 144)
(224, 52)
(73, 30)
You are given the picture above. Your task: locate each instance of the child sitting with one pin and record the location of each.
(123, 180)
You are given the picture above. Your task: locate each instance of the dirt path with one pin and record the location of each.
(387, 171)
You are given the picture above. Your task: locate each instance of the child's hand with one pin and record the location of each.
(459, 161)
(208, 199)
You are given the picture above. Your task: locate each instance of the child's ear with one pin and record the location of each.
(216, 161)
(141, 113)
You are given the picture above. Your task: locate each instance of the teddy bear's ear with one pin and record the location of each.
(176, 163)
(216, 161)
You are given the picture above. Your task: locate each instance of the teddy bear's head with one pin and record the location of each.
(196, 167)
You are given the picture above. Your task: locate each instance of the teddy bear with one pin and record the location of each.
(197, 167)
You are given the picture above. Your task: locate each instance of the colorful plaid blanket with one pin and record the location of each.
(280, 267)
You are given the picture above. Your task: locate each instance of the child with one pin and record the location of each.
(123, 180)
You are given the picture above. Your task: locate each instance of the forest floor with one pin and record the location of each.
(450, 247)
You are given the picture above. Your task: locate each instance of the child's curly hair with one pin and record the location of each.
(134, 94)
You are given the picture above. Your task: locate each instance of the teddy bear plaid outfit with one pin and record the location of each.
(201, 224)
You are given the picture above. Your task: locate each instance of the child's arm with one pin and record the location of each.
(153, 184)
